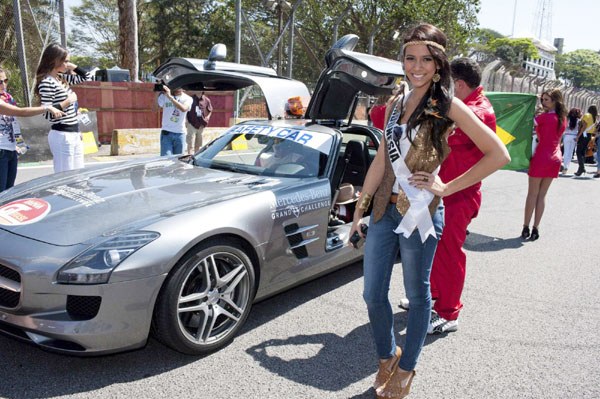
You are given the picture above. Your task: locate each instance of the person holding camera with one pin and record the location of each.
(175, 106)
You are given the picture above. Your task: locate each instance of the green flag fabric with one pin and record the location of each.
(514, 125)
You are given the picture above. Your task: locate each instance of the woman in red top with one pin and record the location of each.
(545, 163)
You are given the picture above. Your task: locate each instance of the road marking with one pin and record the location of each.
(51, 166)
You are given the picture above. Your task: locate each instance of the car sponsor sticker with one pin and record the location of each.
(316, 140)
(25, 211)
(300, 202)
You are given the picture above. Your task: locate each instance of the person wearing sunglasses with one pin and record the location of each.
(8, 124)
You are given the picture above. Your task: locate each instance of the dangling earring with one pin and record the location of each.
(436, 77)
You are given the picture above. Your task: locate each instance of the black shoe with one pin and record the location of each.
(578, 173)
(597, 175)
(534, 234)
(525, 232)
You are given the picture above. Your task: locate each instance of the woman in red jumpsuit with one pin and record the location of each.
(545, 163)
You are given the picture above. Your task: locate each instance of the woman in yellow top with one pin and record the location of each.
(406, 191)
(586, 130)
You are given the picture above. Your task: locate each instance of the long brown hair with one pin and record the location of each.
(442, 91)
(53, 54)
(559, 105)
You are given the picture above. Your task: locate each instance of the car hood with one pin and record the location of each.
(71, 208)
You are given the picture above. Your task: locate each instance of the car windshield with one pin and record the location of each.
(268, 151)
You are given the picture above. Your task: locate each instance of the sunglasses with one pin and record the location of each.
(398, 132)
(5, 81)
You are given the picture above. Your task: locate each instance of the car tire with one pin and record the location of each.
(206, 298)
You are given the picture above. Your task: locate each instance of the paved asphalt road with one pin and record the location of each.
(529, 328)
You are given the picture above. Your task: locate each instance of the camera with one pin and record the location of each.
(159, 86)
(355, 240)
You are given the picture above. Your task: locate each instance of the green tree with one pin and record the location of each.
(580, 68)
(96, 29)
(37, 24)
(512, 51)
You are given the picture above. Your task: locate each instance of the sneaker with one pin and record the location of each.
(439, 325)
(597, 175)
(404, 304)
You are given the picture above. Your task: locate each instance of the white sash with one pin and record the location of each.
(417, 215)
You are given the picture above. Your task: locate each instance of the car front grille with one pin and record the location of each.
(10, 274)
(83, 307)
(10, 287)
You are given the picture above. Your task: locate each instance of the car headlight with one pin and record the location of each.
(95, 265)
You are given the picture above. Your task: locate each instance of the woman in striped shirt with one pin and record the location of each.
(54, 76)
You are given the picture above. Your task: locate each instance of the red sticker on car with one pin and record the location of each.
(25, 211)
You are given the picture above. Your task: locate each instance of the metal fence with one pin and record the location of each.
(498, 78)
(27, 28)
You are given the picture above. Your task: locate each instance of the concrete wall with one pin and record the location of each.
(147, 141)
(35, 133)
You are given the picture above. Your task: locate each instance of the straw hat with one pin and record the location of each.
(347, 194)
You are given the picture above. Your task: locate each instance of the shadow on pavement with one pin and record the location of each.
(28, 371)
(340, 361)
(482, 243)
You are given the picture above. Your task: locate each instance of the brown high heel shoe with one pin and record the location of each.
(394, 388)
(386, 369)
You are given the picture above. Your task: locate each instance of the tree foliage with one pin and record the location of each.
(513, 50)
(96, 29)
(36, 17)
(580, 67)
(189, 28)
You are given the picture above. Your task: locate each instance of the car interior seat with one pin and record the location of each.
(356, 169)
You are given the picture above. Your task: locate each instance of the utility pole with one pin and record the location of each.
(291, 46)
(514, 18)
(237, 56)
(63, 30)
(280, 46)
(21, 52)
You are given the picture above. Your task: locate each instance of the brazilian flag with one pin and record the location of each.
(514, 125)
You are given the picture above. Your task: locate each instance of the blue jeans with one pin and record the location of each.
(171, 143)
(381, 248)
(8, 169)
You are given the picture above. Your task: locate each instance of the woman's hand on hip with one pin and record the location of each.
(427, 181)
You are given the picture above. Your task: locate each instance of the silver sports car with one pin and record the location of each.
(92, 261)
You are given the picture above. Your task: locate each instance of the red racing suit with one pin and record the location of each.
(450, 261)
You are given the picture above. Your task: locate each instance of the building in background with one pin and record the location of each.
(559, 43)
(544, 65)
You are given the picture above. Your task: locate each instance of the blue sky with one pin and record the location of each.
(573, 20)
